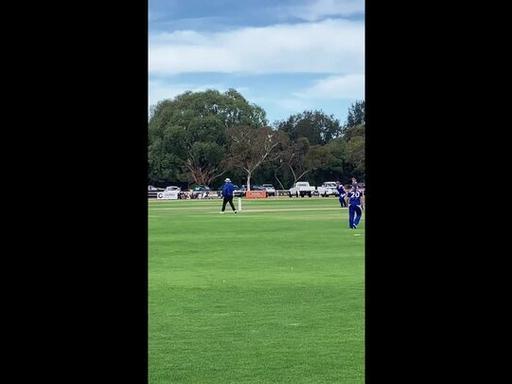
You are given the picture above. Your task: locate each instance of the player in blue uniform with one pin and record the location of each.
(354, 206)
(227, 195)
(342, 194)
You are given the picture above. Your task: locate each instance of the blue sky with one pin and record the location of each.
(285, 56)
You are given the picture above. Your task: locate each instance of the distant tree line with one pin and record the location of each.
(202, 137)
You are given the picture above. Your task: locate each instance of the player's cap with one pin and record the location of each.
(228, 180)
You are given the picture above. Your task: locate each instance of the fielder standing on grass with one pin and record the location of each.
(354, 206)
(342, 194)
(227, 195)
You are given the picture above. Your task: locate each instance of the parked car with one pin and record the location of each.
(172, 188)
(328, 189)
(200, 192)
(271, 191)
(301, 188)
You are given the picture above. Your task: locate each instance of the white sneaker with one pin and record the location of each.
(222, 212)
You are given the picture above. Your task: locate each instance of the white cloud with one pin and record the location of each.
(329, 46)
(336, 87)
(321, 8)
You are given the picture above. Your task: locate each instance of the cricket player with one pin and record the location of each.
(342, 194)
(227, 195)
(354, 206)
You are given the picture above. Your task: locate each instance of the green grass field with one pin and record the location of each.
(274, 294)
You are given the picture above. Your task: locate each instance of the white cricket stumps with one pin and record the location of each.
(239, 203)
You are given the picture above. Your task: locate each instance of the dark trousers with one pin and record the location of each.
(354, 210)
(343, 203)
(227, 199)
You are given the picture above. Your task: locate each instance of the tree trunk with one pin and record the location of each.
(279, 181)
(194, 176)
(249, 181)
